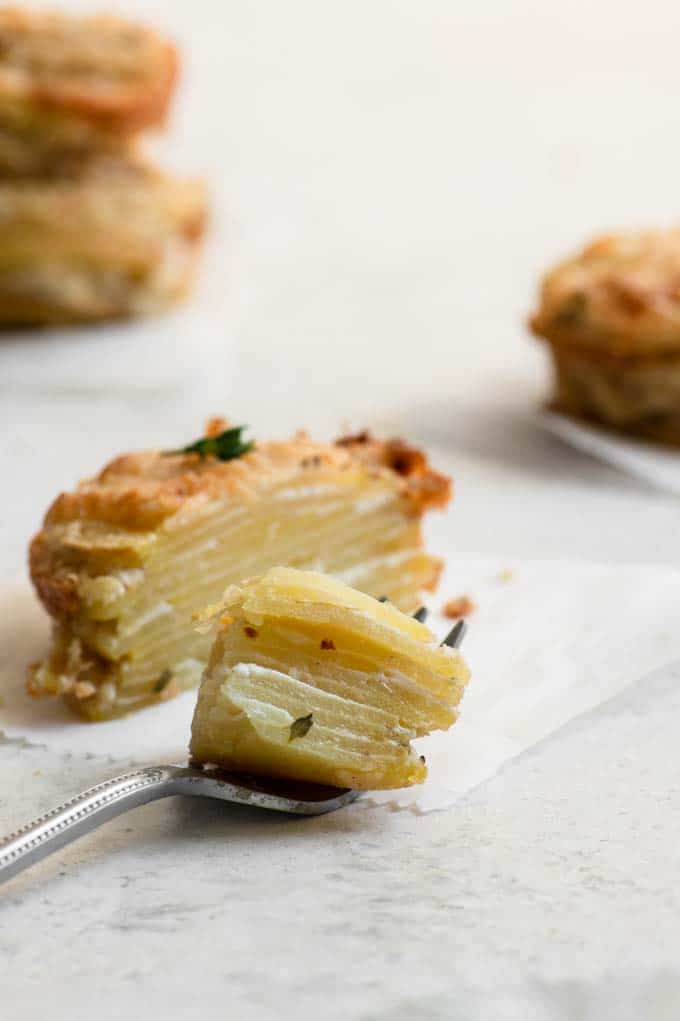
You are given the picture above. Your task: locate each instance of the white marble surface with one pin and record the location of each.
(388, 178)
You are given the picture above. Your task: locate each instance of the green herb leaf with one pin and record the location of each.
(300, 727)
(225, 446)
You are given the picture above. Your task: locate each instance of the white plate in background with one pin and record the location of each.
(658, 466)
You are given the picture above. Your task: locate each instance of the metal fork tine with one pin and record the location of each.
(455, 635)
(420, 614)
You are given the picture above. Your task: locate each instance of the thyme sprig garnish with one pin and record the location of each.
(225, 446)
(300, 727)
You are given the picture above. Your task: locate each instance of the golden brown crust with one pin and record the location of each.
(57, 589)
(136, 493)
(437, 570)
(618, 297)
(139, 490)
(108, 71)
(425, 487)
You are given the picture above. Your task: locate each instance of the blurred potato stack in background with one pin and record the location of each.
(91, 229)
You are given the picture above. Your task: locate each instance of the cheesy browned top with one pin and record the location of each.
(139, 493)
(103, 69)
(619, 296)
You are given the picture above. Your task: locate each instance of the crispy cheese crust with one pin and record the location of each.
(619, 297)
(113, 561)
(113, 74)
(611, 317)
(121, 240)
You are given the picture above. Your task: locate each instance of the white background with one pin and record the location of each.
(387, 181)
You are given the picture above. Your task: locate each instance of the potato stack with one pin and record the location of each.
(610, 314)
(90, 229)
(309, 679)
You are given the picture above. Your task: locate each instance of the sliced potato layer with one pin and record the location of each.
(125, 561)
(312, 680)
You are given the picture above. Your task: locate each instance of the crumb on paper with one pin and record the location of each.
(507, 574)
(462, 606)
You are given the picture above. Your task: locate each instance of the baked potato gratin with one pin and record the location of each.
(121, 240)
(71, 86)
(309, 679)
(611, 317)
(124, 561)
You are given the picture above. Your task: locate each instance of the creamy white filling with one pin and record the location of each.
(374, 502)
(258, 708)
(161, 609)
(304, 492)
(209, 544)
(350, 574)
(129, 576)
(188, 664)
(255, 672)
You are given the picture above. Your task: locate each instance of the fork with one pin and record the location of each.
(86, 811)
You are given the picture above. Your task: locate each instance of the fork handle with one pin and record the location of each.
(84, 813)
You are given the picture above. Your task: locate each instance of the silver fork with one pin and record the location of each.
(97, 805)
